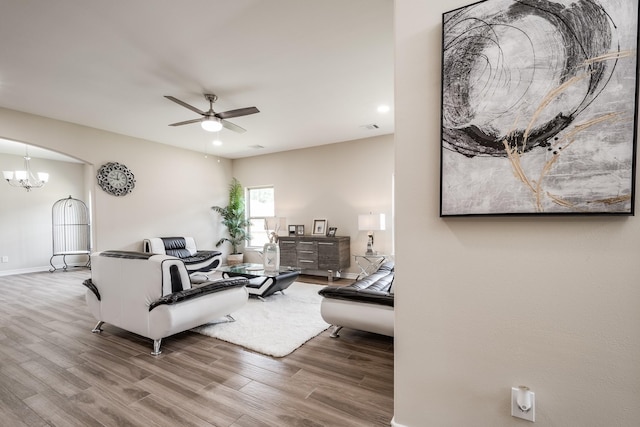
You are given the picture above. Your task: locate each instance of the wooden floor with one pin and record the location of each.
(55, 372)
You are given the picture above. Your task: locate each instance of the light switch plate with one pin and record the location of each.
(530, 415)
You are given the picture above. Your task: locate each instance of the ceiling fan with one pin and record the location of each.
(212, 121)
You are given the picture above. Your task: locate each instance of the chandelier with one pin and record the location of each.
(25, 178)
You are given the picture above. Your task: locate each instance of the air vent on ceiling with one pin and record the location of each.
(371, 126)
(256, 147)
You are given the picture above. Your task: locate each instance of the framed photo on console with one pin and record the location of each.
(300, 230)
(292, 230)
(319, 227)
(332, 231)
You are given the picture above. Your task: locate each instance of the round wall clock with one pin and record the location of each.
(115, 178)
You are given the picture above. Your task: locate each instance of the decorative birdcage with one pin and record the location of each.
(71, 233)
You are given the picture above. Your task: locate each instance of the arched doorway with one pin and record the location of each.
(25, 216)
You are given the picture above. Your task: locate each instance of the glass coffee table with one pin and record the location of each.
(262, 283)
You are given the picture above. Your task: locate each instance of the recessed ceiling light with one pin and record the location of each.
(217, 142)
(383, 109)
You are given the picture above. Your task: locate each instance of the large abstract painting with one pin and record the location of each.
(539, 107)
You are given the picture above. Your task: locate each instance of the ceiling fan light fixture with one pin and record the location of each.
(211, 125)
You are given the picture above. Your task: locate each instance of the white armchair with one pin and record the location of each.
(151, 295)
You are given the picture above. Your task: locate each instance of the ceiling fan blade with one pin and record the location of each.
(231, 126)
(184, 104)
(186, 122)
(237, 113)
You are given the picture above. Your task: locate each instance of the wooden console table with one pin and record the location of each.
(316, 253)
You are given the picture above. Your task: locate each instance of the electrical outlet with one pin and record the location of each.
(5, 259)
(529, 415)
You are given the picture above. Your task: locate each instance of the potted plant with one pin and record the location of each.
(233, 217)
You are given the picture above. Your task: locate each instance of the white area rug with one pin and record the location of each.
(276, 326)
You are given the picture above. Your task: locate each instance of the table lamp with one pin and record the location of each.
(370, 223)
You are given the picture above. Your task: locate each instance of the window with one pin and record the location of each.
(260, 206)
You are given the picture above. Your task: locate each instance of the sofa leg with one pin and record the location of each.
(334, 332)
(98, 328)
(227, 319)
(156, 347)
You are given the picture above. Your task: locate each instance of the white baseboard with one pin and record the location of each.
(395, 424)
(24, 271)
(353, 276)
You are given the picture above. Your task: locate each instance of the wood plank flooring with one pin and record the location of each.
(55, 372)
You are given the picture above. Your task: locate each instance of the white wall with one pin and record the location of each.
(336, 182)
(174, 191)
(484, 304)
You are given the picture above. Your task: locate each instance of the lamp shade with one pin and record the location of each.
(371, 222)
(211, 125)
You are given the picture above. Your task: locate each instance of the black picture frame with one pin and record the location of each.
(300, 230)
(332, 231)
(292, 230)
(539, 121)
(319, 227)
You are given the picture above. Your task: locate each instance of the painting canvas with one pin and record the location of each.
(539, 107)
